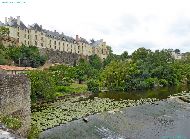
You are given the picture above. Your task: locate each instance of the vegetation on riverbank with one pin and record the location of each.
(10, 122)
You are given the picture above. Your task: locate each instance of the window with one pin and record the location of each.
(54, 42)
(18, 28)
(42, 44)
(24, 35)
(49, 41)
(36, 37)
(55, 47)
(36, 43)
(25, 42)
(59, 47)
(42, 38)
(28, 43)
(63, 44)
(50, 46)
(28, 37)
(18, 35)
(28, 31)
(59, 43)
(18, 39)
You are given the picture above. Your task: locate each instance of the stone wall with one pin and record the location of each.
(15, 99)
(61, 57)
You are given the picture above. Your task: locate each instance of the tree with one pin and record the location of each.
(3, 33)
(26, 56)
(140, 54)
(42, 85)
(95, 62)
(124, 55)
(177, 51)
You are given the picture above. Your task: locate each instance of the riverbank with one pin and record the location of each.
(163, 119)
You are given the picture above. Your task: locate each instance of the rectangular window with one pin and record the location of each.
(28, 43)
(54, 42)
(18, 35)
(25, 42)
(42, 44)
(36, 37)
(24, 35)
(28, 37)
(42, 38)
(36, 43)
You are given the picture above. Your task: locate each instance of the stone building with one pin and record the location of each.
(37, 36)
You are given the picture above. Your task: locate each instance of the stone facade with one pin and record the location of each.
(61, 57)
(37, 36)
(15, 99)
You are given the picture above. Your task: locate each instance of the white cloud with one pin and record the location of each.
(123, 24)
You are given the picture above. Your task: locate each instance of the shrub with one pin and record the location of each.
(163, 82)
(93, 86)
(34, 132)
(11, 122)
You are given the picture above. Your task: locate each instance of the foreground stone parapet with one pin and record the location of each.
(15, 99)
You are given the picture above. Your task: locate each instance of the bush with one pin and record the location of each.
(163, 82)
(93, 86)
(34, 132)
(11, 122)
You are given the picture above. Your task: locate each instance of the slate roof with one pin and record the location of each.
(35, 26)
(1, 24)
(97, 43)
(13, 23)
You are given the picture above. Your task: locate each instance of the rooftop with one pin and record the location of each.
(14, 68)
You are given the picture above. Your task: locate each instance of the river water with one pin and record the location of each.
(159, 93)
(154, 121)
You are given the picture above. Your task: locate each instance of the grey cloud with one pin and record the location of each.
(181, 27)
(132, 46)
(127, 23)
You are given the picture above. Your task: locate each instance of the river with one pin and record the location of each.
(114, 126)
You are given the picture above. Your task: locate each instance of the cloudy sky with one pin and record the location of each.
(124, 24)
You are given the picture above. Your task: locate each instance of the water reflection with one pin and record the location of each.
(160, 93)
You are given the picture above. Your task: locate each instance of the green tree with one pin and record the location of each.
(42, 85)
(95, 62)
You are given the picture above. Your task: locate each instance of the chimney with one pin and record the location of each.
(6, 20)
(18, 20)
(77, 38)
